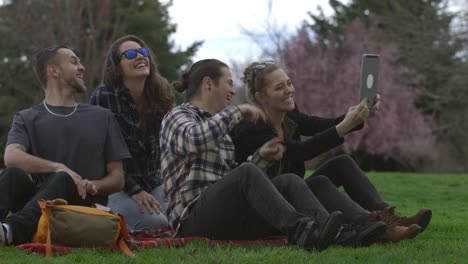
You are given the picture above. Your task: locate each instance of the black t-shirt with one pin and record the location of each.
(84, 141)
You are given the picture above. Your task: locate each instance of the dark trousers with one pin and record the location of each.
(246, 204)
(19, 195)
(343, 171)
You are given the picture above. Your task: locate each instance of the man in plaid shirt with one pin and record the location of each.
(209, 194)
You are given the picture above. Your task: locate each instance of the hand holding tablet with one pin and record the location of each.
(369, 77)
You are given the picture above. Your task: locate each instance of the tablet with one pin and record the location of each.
(369, 77)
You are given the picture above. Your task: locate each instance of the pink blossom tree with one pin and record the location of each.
(327, 79)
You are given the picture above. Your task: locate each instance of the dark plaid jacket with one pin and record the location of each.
(142, 170)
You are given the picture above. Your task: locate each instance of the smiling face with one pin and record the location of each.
(221, 93)
(70, 71)
(278, 92)
(138, 67)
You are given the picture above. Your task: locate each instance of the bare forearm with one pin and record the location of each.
(113, 181)
(16, 157)
(108, 185)
(342, 129)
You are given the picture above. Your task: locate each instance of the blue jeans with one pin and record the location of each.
(124, 204)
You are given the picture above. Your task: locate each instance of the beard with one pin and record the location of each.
(77, 85)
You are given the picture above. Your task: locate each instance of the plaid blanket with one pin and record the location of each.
(156, 238)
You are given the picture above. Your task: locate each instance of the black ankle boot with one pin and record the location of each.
(3, 235)
(313, 236)
(352, 235)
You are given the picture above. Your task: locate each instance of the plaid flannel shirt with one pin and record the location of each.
(142, 170)
(196, 151)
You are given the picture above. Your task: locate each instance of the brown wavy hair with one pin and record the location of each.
(157, 98)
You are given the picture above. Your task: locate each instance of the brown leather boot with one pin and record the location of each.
(394, 231)
(397, 233)
(421, 218)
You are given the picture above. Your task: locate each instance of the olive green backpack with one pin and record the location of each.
(80, 226)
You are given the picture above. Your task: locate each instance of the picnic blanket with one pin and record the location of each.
(156, 238)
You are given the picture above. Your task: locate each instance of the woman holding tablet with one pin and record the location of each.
(270, 88)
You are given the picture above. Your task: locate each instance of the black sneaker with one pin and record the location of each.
(361, 235)
(2, 235)
(331, 228)
(313, 237)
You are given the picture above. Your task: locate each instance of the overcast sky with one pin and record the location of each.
(219, 23)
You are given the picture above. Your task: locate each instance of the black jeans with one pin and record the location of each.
(343, 171)
(246, 204)
(19, 195)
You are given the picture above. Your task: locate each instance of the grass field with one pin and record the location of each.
(444, 241)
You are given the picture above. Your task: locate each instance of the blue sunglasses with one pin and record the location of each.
(132, 53)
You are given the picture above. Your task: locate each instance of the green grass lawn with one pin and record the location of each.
(444, 241)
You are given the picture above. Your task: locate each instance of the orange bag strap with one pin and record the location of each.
(124, 236)
(123, 246)
(47, 213)
(123, 228)
(48, 246)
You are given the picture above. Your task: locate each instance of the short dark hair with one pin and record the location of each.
(43, 58)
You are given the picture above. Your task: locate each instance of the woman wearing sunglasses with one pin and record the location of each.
(139, 97)
(270, 88)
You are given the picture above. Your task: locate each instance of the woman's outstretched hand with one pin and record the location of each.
(146, 200)
(355, 116)
(375, 108)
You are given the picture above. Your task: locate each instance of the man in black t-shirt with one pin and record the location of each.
(72, 151)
